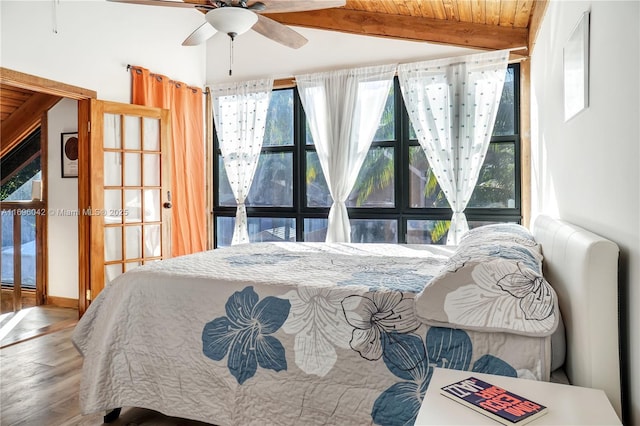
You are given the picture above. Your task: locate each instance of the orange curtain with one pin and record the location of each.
(188, 193)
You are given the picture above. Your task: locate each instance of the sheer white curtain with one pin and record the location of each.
(452, 105)
(240, 113)
(343, 109)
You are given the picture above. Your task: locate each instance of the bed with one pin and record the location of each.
(310, 333)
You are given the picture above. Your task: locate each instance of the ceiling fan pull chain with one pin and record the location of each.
(232, 36)
(55, 16)
(230, 54)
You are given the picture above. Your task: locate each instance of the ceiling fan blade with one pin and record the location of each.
(284, 6)
(161, 3)
(203, 33)
(278, 32)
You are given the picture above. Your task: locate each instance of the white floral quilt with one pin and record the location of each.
(283, 334)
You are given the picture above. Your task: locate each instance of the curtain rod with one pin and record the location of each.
(291, 81)
(205, 91)
(513, 58)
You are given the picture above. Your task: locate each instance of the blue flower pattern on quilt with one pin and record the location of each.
(413, 361)
(384, 330)
(246, 334)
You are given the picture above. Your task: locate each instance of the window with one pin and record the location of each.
(19, 169)
(396, 197)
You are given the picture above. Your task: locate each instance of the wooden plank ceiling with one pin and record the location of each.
(482, 24)
(20, 113)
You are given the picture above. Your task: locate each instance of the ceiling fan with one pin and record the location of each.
(235, 17)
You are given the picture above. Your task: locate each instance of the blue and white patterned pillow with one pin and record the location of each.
(493, 282)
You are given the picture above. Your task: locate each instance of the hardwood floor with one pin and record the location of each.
(39, 386)
(31, 322)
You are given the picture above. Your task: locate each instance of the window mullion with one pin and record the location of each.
(300, 165)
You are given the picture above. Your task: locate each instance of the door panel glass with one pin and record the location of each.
(132, 133)
(112, 169)
(113, 206)
(7, 246)
(112, 131)
(151, 135)
(111, 272)
(112, 243)
(133, 238)
(151, 166)
(132, 203)
(27, 251)
(132, 169)
(152, 240)
(152, 205)
(131, 265)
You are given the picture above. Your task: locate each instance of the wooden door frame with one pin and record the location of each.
(83, 96)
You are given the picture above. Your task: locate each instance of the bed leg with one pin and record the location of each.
(112, 415)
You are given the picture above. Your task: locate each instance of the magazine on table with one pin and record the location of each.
(493, 401)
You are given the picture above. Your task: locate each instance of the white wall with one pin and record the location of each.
(95, 40)
(255, 56)
(62, 203)
(586, 170)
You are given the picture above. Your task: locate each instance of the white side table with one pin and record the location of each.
(568, 405)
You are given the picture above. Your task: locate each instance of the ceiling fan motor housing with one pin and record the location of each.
(228, 20)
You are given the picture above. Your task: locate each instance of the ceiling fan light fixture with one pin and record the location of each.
(231, 20)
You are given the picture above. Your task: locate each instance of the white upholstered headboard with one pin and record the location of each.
(583, 269)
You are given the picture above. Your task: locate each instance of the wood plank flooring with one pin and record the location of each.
(31, 322)
(39, 386)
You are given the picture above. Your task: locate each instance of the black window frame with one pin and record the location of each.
(401, 212)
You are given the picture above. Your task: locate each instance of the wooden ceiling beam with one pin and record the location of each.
(537, 14)
(464, 34)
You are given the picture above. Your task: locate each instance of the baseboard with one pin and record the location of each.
(61, 302)
(6, 298)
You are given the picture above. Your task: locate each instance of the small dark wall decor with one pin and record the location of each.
(69, 146)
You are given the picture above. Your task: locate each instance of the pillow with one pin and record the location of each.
(500, 240)
(493, 282)
(501, 231)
